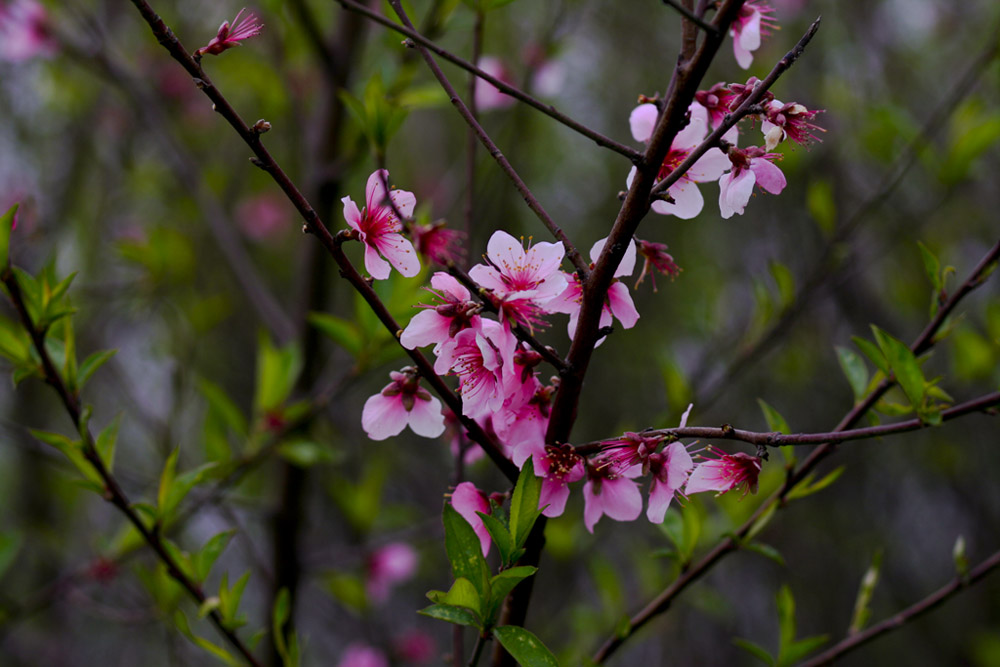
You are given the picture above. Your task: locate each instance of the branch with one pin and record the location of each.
(730, 544)
(773, 439)
(935, 599)
(741, 112)
(314, 225)
(533, 204)
(411, 33)
(691, 16)
(113, 492)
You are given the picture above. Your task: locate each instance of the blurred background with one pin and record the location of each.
(188, 257)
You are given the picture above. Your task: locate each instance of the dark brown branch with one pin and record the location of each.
(113, 492)
(981, 404)
(547, 109)
(494, 151)
(929, 603)
(314, 225)
(730, 544)
(690, 16)
(740, 113)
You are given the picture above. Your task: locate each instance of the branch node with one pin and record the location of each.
(257, 162)
(261, 126)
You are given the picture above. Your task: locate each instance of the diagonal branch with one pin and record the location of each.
(411, 33)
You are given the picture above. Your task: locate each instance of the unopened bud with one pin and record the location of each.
(261, 126)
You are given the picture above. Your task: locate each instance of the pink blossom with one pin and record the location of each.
(610, 492)
(558, 467)
(753, 23)
(632, 449)
(437, 243)
(524, 428)
(388, 566)
(483, 361)
(227, 37)
(489, 96)
(789, 121)
(655, 257)
(724, 472)
(750, 166)
(358, 654)
(522, 280)
(414, 646)
(438, 323)
(467, 500)
(403, 402)
(24, 31)
(618, 303)
(263, 216)
(717, 100)
(669, 470)
(687, 200)
(379, 228)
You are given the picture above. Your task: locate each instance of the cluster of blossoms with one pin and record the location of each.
(24, 31)
(737, 170)
(496, 372)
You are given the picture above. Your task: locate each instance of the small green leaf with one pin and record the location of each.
(343, 332)
(807, 488)
(92, 363)
(456, 615)
(277, 371)
(854, 370)
(73, 450)
(524, 503)
(525, 647)
(904, 366)
(872, 352)
(957, 554)
(862, 610)
(206, 557)
(501, 536)
(775, 421)
(785, 281)
(821, 205)
(180, 621)
(765, 550)
(465, 552)
(932, 267)
(756, 650)
(502, 584)
(106, 441)
(6, 225)
(800, 648)
(10, 545)
(786, 619)
(223, 406)
(463, 594)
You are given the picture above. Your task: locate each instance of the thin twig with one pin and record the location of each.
(773, 439)
(932, 601)
(113, 492)
(470, 147)
(495, 153)
(547, 109)
(731, 544)
(691, 16)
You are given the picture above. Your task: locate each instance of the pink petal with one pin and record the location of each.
(351, 213)
(426, 418)
(375, 189)
(627, 265)
(660, 495)
(735, 191)
(679, 466)
(467, 500)
(622, 306)
(688, 201)
(504, 250)
(743, 57)
(749, 37)
(377, 267)
(425, 327)
(383, 416)
(769, 176)
(554, 494)
(642, 121)
(708, 476)
(488, 277)
(405, 202)
(400, 253)
(621, 498)
(447, 283)
(709, 166)
(692, 134)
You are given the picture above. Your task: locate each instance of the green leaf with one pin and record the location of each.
(456, 615)
(525, 647)
(873, 353)
(785, 281)
(958, 556)
(73, 450)
(174, 488)
(465, 552)
(502, 584)
(230, 600)
(106, 441)
(343, 332)
(756, 650)
(765, 550)
(348, 589)
(761, 522)
(524, 503)
(305, 453)
(180, 621)
(501, 536)
(280, 613)
(6, 225)
(807, 488)
(932, 267)
(862, 609)
(10, 545)
(904, 366)
(775, 421)
(223, 406)
(167, 479)
(800, 648)
(463, 594)
(91, 364)
(277, 371)
(821, 205)
(206, 557)
(854, 370)
(786, 619)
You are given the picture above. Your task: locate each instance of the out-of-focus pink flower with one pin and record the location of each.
(522, 281)
(414, 647)
(437, 243)
(559, 467)
(467, 500)
(436, 324)
(379, 228)
(618, 303)
(24, 31)
(687, 199)
(753, 24)
(388, 566)
(362, 655)
(489, 96)
(724, 472)
(750, 166)
(483, 361)
(458, 441)
(403, 402)
(228, 37)
(789, 121)
(610, 492)
(263, 216)
(657, 258)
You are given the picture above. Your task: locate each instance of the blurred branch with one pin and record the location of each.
(932, 601)
(113, 492)
(533, 204)
(314, 225)
(777, 500)
(470, 147)
(421, 41)
(831, 258)
(774, 439)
